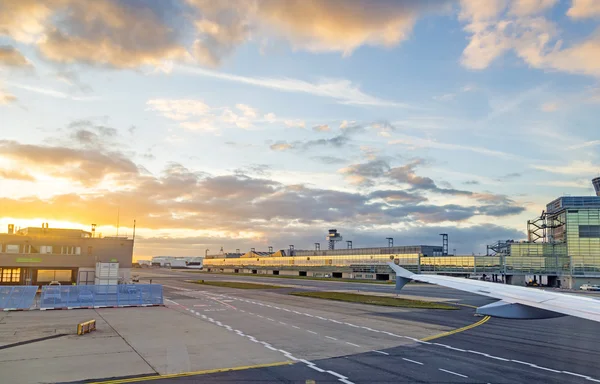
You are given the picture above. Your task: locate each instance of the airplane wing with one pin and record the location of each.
(515, 302)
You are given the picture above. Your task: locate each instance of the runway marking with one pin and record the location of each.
(426, 341)
(172, 301)
(453, 373)
(412, 361)
(281, 322)
(309, 331)
(480, 322)
(383, 353)
(268, 318)
(308, 314)
(332, 338)
(355, 345)
(185, 374)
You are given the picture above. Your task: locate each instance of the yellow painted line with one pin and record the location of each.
(204, 372)
(482, 321)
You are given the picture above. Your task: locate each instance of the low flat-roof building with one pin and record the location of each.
(39, 255)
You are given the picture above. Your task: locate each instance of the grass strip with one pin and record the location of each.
(375, 300)
(233, 284)
(334, 279)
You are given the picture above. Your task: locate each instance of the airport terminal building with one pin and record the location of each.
(39, 255)
(562, 249)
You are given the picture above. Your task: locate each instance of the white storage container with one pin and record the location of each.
(107, 270)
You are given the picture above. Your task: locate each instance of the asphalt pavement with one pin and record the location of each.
(333, 342)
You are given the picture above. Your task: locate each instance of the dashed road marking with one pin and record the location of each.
(355, 345)
(332, 338)
(412, 361)
(453, 373)
(313, 332)
(383, 353)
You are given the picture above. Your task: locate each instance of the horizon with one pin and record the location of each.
(266, 123)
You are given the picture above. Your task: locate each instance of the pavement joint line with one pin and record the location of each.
(453, 373)
(186, 374)
(462, 329)
(412, 361)
(381, 352)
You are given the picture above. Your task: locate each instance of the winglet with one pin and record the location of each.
(402, 275)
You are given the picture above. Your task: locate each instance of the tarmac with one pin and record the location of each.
(222, 335)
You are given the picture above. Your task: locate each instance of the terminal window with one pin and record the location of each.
(589, 231)
(10, 275)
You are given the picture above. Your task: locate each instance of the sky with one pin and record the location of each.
(265, 122)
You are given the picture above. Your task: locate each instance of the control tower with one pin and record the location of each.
(333, 237)
(596, 183)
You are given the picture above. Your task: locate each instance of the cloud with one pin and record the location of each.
(576, 167)
(72, 79)
(549, 107)
(584, 9)
(247, 110)
(471, 182)
(586, 144)
(311, 25)
(195, 115)
(6, 98)
(341, 90)
(294, 123)
(509, 176)
(335, 142)
(495, 30)
(86, 166)
(10, 57)
(49, 92)
(13, 174)
(281, 146)
(321, 128)
(364, 173)
(270, 117)
(329, 159)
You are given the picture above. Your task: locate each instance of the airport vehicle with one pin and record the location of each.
(590, 287)
(514, 302)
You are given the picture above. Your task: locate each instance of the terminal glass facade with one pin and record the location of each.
(583, 240)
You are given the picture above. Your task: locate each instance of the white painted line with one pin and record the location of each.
(276, 307)
(337, 374)
(355, 345)
(260, 316)
(346, 381)
(452, 373)
(594, 380)
(412, 361)
(285, 309)
(547, 369)
(308, 314)
(174, 302)
(313, 332)
(522, 362)
(575, 374)
(383, 353)
(332, 338)
(268, 318)
(295, 326)
(281, 322)
(315, 368)
(271, 348)
(319, 317)
(241, 310)
(335, 321)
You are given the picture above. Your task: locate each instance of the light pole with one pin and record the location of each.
(206, 252)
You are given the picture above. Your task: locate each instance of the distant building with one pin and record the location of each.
(177, 262)
(39, 255)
